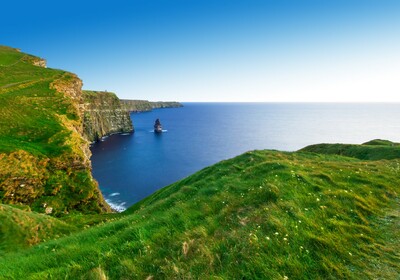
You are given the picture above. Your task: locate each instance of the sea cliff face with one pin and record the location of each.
(104, 115)
(145, 105)
(44, 155)
(46, 125)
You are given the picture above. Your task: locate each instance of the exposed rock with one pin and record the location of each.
(70, 85)
(34, 60)
(40, 62)
(104, 115)
(48, 162)
(157, 126)
(145, 105)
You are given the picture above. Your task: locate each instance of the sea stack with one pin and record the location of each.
(157, 126)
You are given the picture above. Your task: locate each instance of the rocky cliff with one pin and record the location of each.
(145, 105)
(104, 115)
(44, 156)
(46, 125)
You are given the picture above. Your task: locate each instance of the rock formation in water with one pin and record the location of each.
(157, 126)
(105, 114)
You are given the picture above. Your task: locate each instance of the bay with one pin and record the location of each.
(131, 167)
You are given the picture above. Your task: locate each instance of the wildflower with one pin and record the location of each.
(285, 239)
(267, 238)
(185, 248)
(350, 254)
(276, 233)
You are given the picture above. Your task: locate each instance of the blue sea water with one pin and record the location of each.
(131, 167)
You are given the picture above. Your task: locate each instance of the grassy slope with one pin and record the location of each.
(41, 160)
(264, 214)
(372, 150)
(21, 228)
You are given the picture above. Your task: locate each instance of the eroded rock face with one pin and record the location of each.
(40, 62)
(34, 60)
(104, 115)
(48, 161)
(145, 105)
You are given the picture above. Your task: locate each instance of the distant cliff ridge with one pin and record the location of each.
(145, 105)
(104, 115)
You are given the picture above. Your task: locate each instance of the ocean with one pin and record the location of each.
(131, 167)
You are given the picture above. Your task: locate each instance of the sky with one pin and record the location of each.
(217, 50)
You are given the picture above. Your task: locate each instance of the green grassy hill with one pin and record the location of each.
(372, 150)
(261, 215)
(328, 211)
(44, 160)
(21, 228)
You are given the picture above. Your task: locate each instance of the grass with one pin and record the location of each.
(329, 211)
(262, 215)
(372, 150)
(21, 228)
(42, 154)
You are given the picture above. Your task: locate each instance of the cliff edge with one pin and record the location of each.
(145, 105)
(104, 115)
(44, 156)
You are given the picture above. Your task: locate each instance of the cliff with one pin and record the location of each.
(44, 156)
(145, 105)
(261, 215)
(46, 123)
(104, 115)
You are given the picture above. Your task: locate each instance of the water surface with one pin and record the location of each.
(131, 167)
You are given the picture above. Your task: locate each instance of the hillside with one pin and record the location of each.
(328, 211)
(261, 215)
(372, 150)
(44, 158)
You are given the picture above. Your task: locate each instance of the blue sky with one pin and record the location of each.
(217, 50)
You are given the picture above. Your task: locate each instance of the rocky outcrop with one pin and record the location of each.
(165, 104)
(34, 60)
(157, 126)
(40, 62)
(104, 115)
(46, 121)
(145, 105)
(47, 166)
